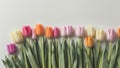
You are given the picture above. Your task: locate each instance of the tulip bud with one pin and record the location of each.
(49, 32)
(90, 31)
(100, 35)
(12, 49)
(26, 31)
(70, 30)
(89, 42)
(39, 30)
(80, 31)
(56, 32)
(17, 37)
(63, 31)
(33, 34)
(118, 32)
(110, 34)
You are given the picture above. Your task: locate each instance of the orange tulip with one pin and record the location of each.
(118, 32)
(89, 42)
(39, 29)
(49, 32)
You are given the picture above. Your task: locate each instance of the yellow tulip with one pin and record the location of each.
(100, 35)
(17, 37)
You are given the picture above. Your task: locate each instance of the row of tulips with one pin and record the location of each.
(55, 47)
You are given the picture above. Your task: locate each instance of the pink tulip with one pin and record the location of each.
(63, 31)
(33, 34)
(70, 30)
(110, 35)
(26, 31)
(80, 31)
(11, 48)
(56, 32)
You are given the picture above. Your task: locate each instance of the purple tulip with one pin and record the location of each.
(110, 35)
(63, 31)
(26, 31)
(11, 48)
(56, 32)
(80, 31)
(33, 34)
(70, 30)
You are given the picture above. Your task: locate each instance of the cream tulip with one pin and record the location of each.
(90, 31)
(100, 35)
(17, 37)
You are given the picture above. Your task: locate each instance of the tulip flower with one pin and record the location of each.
(12, 49)
(110, 34)
(56, 32)
(17, 37)
(26, 31)
(89, 41)
(39, 30)
(70, 30)
(118, 32)
(49, 32)
(100, 35)
(80, 31)
(33, 34)
(90, 31)
(63, 31)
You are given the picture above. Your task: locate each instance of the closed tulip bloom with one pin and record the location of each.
(17, 36)
(118, 32)
(33, 34)
(39, 30)
(56, 32)
(12, 49)
(63, 31)
(70, 30)
(100, 35)
(110, 34)
(26, 31)
(80, 31)
(89, 41)
(90, 31)
(49, 32)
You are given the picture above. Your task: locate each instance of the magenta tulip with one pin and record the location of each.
(11, 48)
(110, 34)
(56, 32)
(80, 31)
(33, 34)
(26, 31)
(63, 31)
(70, 30)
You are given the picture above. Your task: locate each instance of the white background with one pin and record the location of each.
(15, 13)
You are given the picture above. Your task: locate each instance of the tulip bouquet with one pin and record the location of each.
(66, 47)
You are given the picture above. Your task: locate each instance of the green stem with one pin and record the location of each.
(49, 53)
(41, 40)
(110, 51)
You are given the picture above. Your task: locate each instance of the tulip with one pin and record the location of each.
(100, 35)
(110, 34)
(49, 32)
(17, 37)
(89, 41)
(26, 31)
(90, 31)
(33, 34)
(118, 32)
(80, 31)
(56, 32)
(39, 30)
(70, 30)
(12, 49)
(63, 31)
